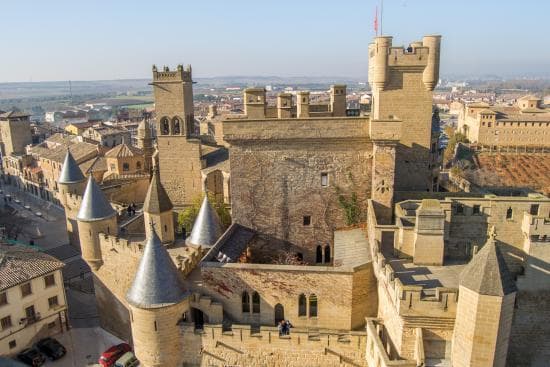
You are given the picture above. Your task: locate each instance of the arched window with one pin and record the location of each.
(313, 306)
(138, 165)
(319, 255)
(177, 126)
(509, 213)
(327, 254)
(164, 126)
(255, 302)
(302, 306)
(246, 302)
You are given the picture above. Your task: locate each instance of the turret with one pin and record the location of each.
(431, 72)
(284, 105)
(145, 143)
(485, 309)
(338, 100)
(157, 301)
(95, 216)
(378, 57)
(71, 180)
(302, 104)
(255, 103)
(207, 227)
(157, 209)
(71, 183)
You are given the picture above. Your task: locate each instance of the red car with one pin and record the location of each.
(109, 357)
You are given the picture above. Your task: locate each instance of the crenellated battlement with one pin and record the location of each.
(243, 345)
(413, 300)
(110, 243)
(399, 56)
(181, 74)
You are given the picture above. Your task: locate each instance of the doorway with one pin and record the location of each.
(279, 313)
(198, 318)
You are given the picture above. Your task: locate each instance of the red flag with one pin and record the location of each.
(376, 21)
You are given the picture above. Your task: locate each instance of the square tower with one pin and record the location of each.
(179, 148)
(402, 82)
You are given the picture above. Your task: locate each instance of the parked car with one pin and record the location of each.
(51, 348)
(32, 357)
(128, 359)
(110, 356)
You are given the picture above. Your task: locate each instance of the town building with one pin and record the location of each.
(32, 297)
(526, 124)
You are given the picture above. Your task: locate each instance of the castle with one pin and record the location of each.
(336, 226)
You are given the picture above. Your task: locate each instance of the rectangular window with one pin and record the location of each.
(26, 289)
(459, 209)
(5, 322)
(12, 344)
(307, 220)
(3, 299)
(477, 210)
(53, 302)
(324, 179)
(30, 314)
(533, 211)
(49, 280)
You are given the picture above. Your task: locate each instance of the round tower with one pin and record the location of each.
(207, 227)
(379, 57)
(71, 184)
(157, 302)
(430, 77)
(157, 209)
(145, 143)
(71, 181)
(95, 216)
(484, 311)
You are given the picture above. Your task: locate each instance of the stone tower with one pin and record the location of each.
(207, 227)
(15, 128)
(145, 143)
(71, 184)
(338, 104)
(95, 216)
(302, 104)
(179, 148)
(157, 302)
(402, 82)
(485, 309)
(157, 209)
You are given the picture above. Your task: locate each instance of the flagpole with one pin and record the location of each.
(381, 16)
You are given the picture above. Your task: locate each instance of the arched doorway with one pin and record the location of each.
(279, 313)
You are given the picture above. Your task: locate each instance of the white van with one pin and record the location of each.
(128, 359)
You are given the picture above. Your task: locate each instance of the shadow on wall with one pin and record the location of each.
(113, 315)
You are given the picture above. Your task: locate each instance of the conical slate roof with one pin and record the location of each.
(207, 227)
(156, 200)
(70, 172)
(157, 282)
(487, 273)
(95, 205)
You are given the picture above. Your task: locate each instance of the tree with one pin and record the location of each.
(455, 137)
(187, 217)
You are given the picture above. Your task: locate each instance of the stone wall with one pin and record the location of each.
(242, 347)
(530, 337)
(344, 296)
(276, 184)
(180, 168)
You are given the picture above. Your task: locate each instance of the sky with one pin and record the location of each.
(121, 39)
